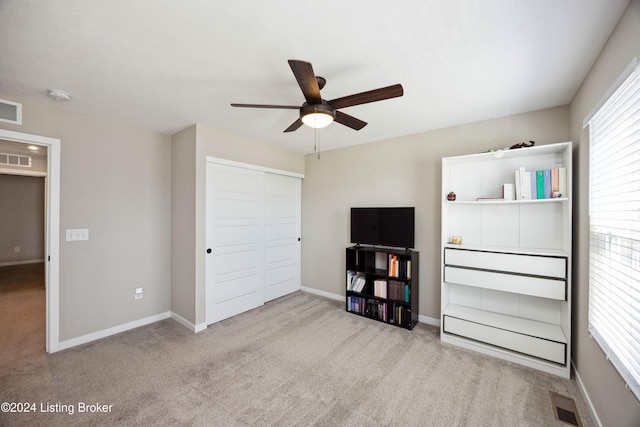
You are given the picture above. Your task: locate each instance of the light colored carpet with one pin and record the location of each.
(298, 361)
(22, 314)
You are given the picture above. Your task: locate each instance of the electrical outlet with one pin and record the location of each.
(138, 294)
(16, 249)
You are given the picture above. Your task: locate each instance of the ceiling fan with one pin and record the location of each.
(318, 113)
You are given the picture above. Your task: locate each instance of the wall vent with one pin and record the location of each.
(15, 160)
(10, 112)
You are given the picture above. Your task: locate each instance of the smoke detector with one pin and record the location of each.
(59, 95)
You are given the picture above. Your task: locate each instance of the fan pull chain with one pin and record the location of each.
(316, 145)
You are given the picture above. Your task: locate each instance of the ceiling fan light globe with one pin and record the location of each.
(317, 120)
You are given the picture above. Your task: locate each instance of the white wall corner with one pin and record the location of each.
(184, 322)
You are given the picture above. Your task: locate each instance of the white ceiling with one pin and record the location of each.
(166, 64)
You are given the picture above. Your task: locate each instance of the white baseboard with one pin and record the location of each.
(184, 322)
(429, 320)
(29, 261)
(324, 294)
(585, 396)
(421, 318)
(63, 345)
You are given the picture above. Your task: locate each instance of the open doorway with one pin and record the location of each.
(49, 267)
(22, 252)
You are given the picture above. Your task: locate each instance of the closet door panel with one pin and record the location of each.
(282, 222)
(234, 234)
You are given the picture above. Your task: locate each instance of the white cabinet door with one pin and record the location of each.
(235, 241)
(282, 226)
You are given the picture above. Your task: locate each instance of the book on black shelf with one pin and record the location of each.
(393, 265)
(380, 288)
(355, 281)
(350, 275)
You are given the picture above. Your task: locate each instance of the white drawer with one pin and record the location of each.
(506, 282)
(530, 345)
(538, 265)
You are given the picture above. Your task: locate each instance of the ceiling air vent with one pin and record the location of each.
(10, 112)
(15, 160)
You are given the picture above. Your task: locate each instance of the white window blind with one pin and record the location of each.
(614, 214)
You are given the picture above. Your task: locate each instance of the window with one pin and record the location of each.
(614, 229)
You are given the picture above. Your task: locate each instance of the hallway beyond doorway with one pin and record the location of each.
(22, 313)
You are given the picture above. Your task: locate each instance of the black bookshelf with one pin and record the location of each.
(382, 284)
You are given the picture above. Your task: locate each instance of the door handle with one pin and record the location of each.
(209, 250)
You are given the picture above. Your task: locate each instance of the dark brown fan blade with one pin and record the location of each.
(349, 121)
(369, 96)
(286, 107)
(307, 80)
(295, 125)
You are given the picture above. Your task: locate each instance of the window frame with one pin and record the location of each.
(606, 332)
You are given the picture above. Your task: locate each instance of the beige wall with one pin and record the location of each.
(404, 171)
(190, 150)
(21, 219)
(183, 223)
(614, 405)
(116, 181)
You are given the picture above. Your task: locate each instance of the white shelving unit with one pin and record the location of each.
(506, 289)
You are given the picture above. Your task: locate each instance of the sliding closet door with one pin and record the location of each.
(282, 223)
(235, 241)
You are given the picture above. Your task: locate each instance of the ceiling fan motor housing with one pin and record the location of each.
(323, 108)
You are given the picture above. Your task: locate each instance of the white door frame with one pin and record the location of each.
(52, 233)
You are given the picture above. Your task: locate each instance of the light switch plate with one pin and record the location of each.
(76, 234)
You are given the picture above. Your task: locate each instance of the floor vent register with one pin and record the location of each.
(564, 409)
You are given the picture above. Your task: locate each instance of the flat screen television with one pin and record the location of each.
(383, 226)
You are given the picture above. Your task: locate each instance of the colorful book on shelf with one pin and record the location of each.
(547, 183)
(393, 265)
(540, 184)
(380, 288)
(534, 185)
(555, 181)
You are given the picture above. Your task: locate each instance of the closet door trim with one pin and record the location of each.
(253, 167)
